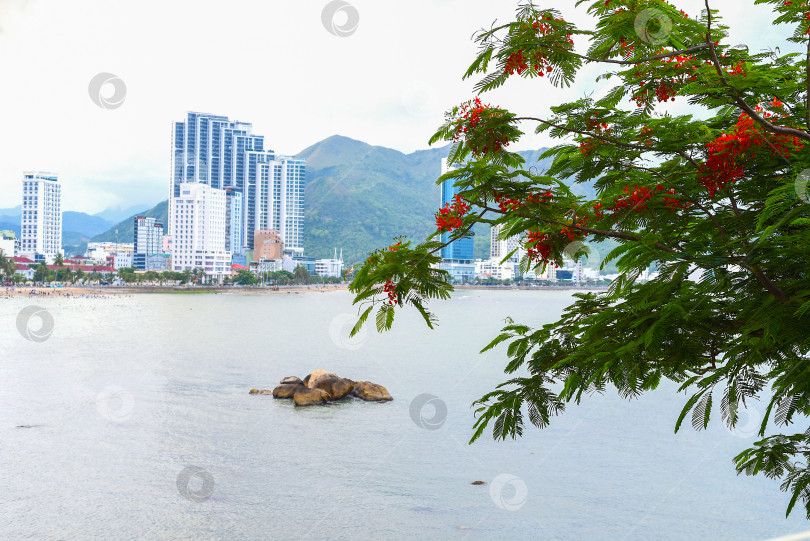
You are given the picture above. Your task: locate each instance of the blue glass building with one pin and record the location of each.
(461, 250)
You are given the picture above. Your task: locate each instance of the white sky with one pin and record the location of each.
(268, 62)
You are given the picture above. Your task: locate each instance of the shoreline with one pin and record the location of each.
(105, 291)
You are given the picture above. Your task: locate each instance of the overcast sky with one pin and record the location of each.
(268, 62)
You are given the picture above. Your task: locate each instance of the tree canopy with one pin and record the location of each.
(710, 189)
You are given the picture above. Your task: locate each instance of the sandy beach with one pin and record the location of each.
(104, 291)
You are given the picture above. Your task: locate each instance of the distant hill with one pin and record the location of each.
(126, 227)
(114, 216)
(360, 196)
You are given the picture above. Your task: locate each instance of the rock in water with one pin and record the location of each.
(306, 379)
(292, 379)
(336, 387)
(287, 390)
(263, 391)
(316, 375)
(254, 391)
(478, 483)
(310, 397)
(365, 390)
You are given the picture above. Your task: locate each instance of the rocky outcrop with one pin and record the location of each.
(305, 396)
(334, 386)
(287, 390)
(321, 386)
(317, 375)
(365, 390)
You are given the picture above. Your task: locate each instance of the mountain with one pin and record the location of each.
(116, 215)
(84, 224)
(125, 228)
(359, 196)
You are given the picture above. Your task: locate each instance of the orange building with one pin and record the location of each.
(267, 244)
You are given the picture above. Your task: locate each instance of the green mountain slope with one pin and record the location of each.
(359, 196)
(126, 228)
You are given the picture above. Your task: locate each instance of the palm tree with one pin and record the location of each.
(59, 260)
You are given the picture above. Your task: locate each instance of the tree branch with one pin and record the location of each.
(735, 95)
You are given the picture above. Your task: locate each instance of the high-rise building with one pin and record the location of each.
(41, 232)
(457, 257)
(225, 154)
(233, 221)
(198, 230)
(500, 248)
(148, 234)
(460, 250)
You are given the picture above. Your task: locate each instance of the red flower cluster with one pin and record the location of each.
(728, 154)
(664, 89)
(471, 115)
(539, 248)
(519, 61)
(635, 200)
(507, 204)
(449, 217)
(539, 245)
(395, 247)
(389, 288)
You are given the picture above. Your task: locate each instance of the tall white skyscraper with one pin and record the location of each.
(225, 154)
(41, 234)
(500, 248)
(198, 216)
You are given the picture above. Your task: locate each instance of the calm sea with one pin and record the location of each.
(133, 421)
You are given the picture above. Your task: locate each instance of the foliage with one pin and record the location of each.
(245, 278)
(714, 199)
